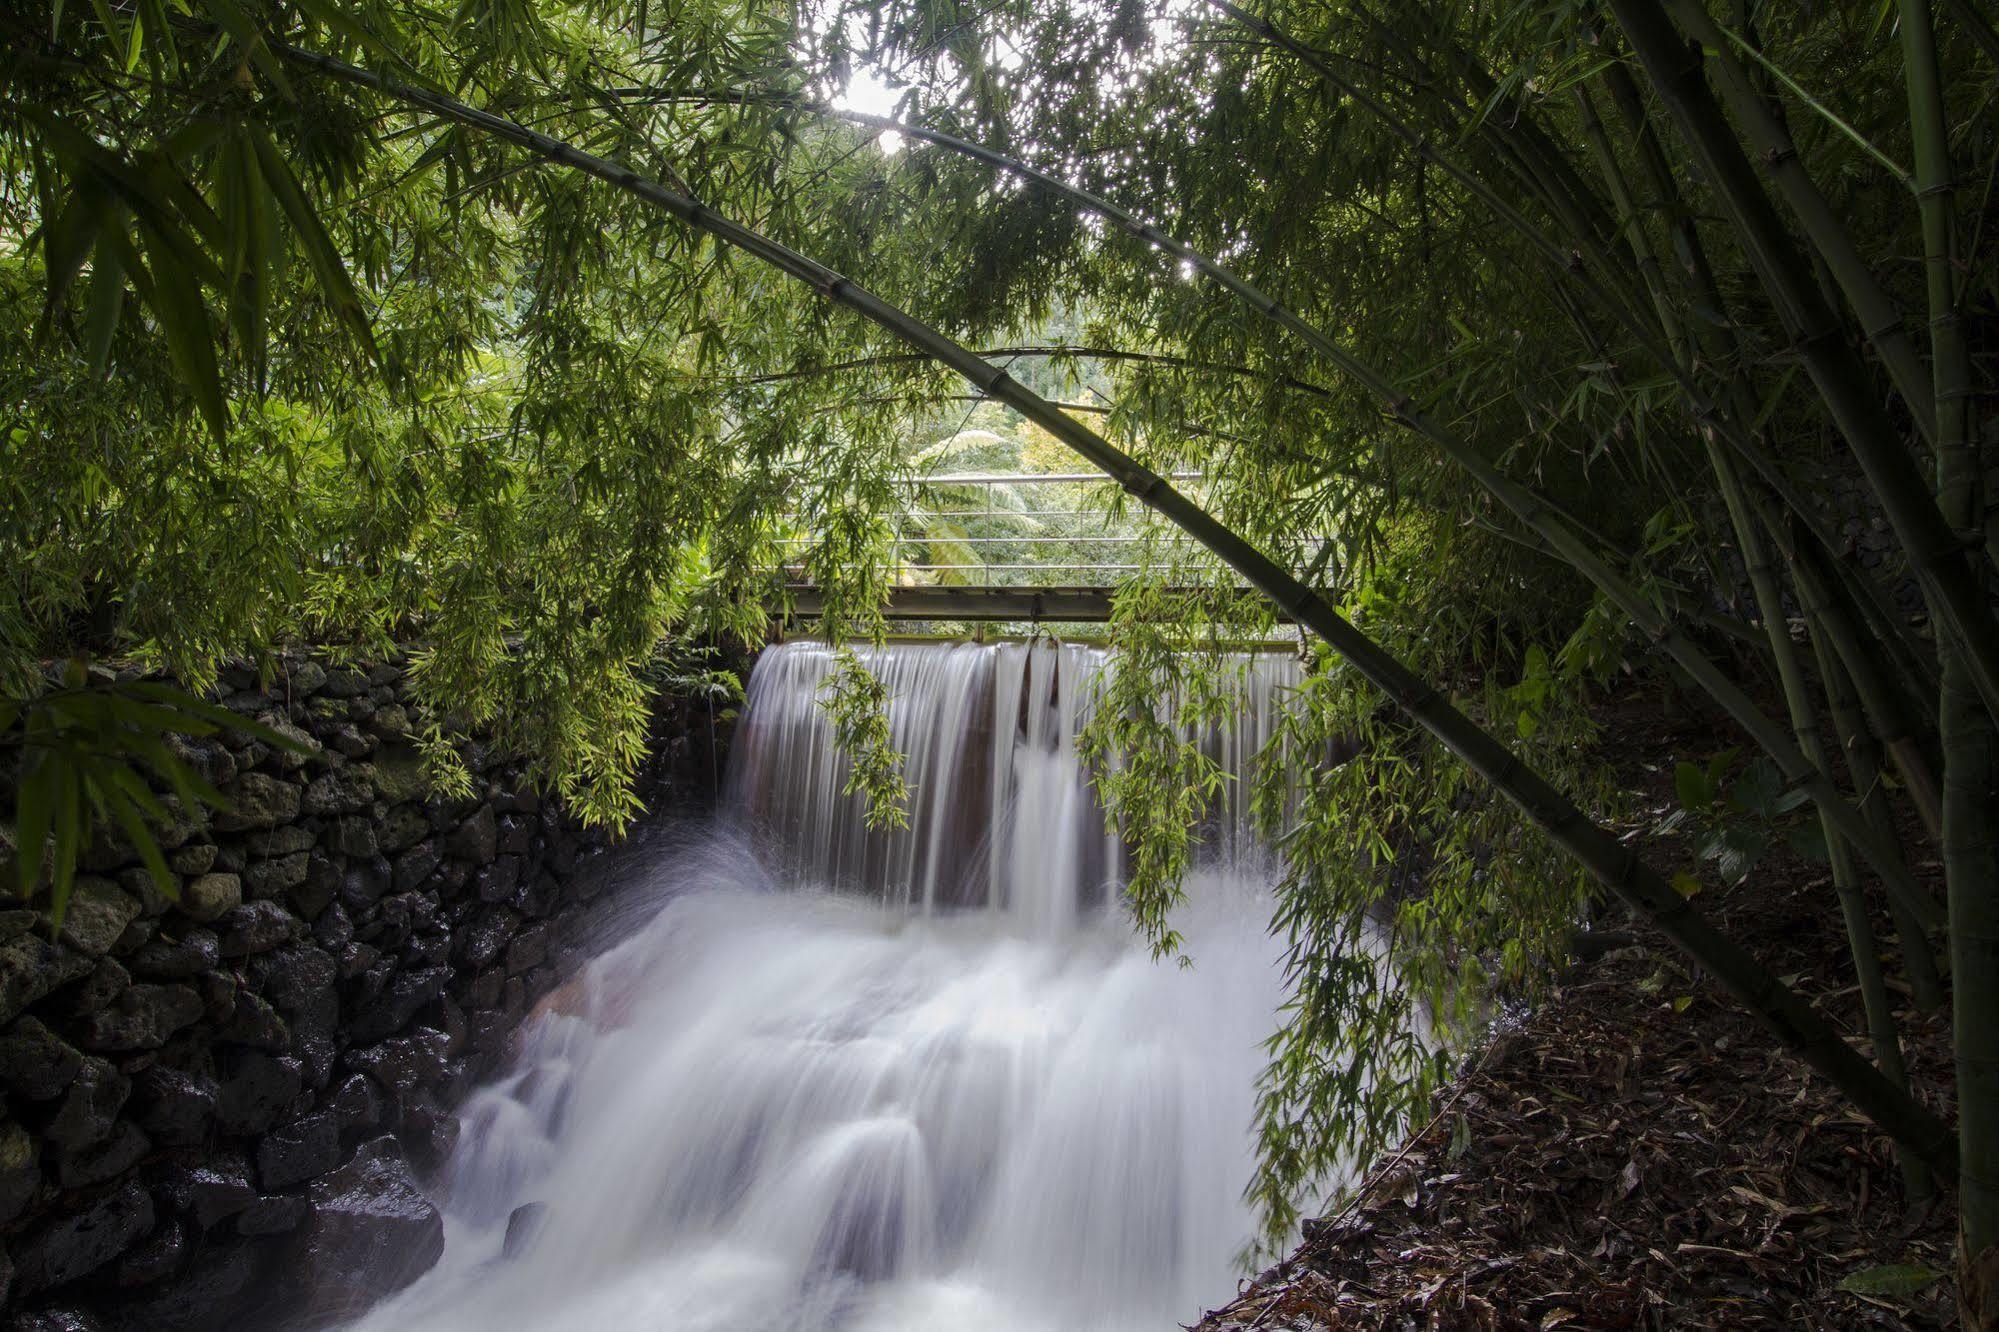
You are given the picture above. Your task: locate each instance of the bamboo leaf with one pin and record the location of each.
(320, 251)
(1891, 1279)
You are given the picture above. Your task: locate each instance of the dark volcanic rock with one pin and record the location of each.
(176, 1108)
(371, 1230)
(413, 866)
(83, 1241)
(105, 1161)
(255, 927)
(421, 1059)
(477, 838)
(211, 1191)
(31, 967)
(298, 1151)
(256, 1024)
(20, 1171)
(279, 1214)
(90, 1107)
(400, 1001)
(142, 1018)
(208, 896)
(105, 981)
(194, 952)
(258, 800)
(35, 1062)
(160, 1256)
(211, 1294)
(256, 1089)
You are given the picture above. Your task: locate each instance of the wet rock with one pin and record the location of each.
(255, 927)
(275, 877)
(193, 860)
(486, 935)
(142, 1018)
(152, 894)
(529, 949)
(219, 1285)
(421, 1059)
(20, 1171)
(283, 841)
(356, 1104)
(256, 1088)
(98, 912)
(89, 1109)
(210, 1191)
(123, 1149)
(522, 1223)
(107, 979)
(160, 1256)
(403, 827)
(344, 682)
(279, 1214)
(208, 896)
(258, 800)
(354, 836)
(365, 882)
(305, 678)
(298, 1151)
(176, 1108)
(55, 1320)
(499, 881)
(194, 952)
(35, 1062)
(218, 993)
(334, 929)
(345, 791)
(256, 1024)
(83, 1241)
(401, 999)
(320, 888)
(413, 866)
(477, 838)
(371, 1230)
(31, 967)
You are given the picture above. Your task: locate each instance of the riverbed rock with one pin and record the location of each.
(401, 999)
(371, 1231)
(255, 1089)
(298, 1151)
(176, 1108)
(522, 1224)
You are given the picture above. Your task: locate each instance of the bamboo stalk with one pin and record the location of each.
(1935, 554)
(1881, 318)
(1790, 1019)
(1970, 741)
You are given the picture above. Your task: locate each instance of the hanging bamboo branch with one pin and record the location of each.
(1795, 1023)
(1664, 631)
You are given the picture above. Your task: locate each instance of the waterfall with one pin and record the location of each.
(922, 1078)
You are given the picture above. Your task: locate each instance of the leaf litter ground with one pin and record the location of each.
(1636, 1153)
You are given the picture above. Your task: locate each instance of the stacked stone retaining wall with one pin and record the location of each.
(219, 1109)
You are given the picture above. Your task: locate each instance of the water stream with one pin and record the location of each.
(850, 1080)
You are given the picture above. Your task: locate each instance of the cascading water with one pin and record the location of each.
(919, 1079)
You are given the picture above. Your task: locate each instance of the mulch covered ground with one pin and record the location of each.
(1636, 1153)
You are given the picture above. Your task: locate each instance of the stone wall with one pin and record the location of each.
(219, 1109)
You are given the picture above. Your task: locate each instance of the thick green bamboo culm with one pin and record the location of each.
(1881, 319)
(1771, 736)
(1970, 737)
(1795, 1023)
(1935, 554)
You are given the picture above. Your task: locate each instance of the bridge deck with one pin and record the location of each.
(936, 602)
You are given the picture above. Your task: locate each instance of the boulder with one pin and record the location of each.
(421, 1059)
(278, 875)
(158, 1257)
(193, 860)
(477, 838)
(206, 897)
(298, 1151)
(288, 839)
(486, 935)
(176, 1108)
(256, 1024)
(30, 967)
(142, 1018)
(255, 927)
(353, 836)
(197, 950)
(401, 999)
(215, 1291)
(319, 888)
(20, 1170)
(413, 866)
(279, 1214)
(89, 1109)
(522, 1223)
(370, 1232)
(356, 1103)
(35, 1062)
(258, 800)
(256, 1089)
(107, 979)
(98, 912)
(209, 1191)
(79, 1243)
(105, 1161)
(343, 791)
